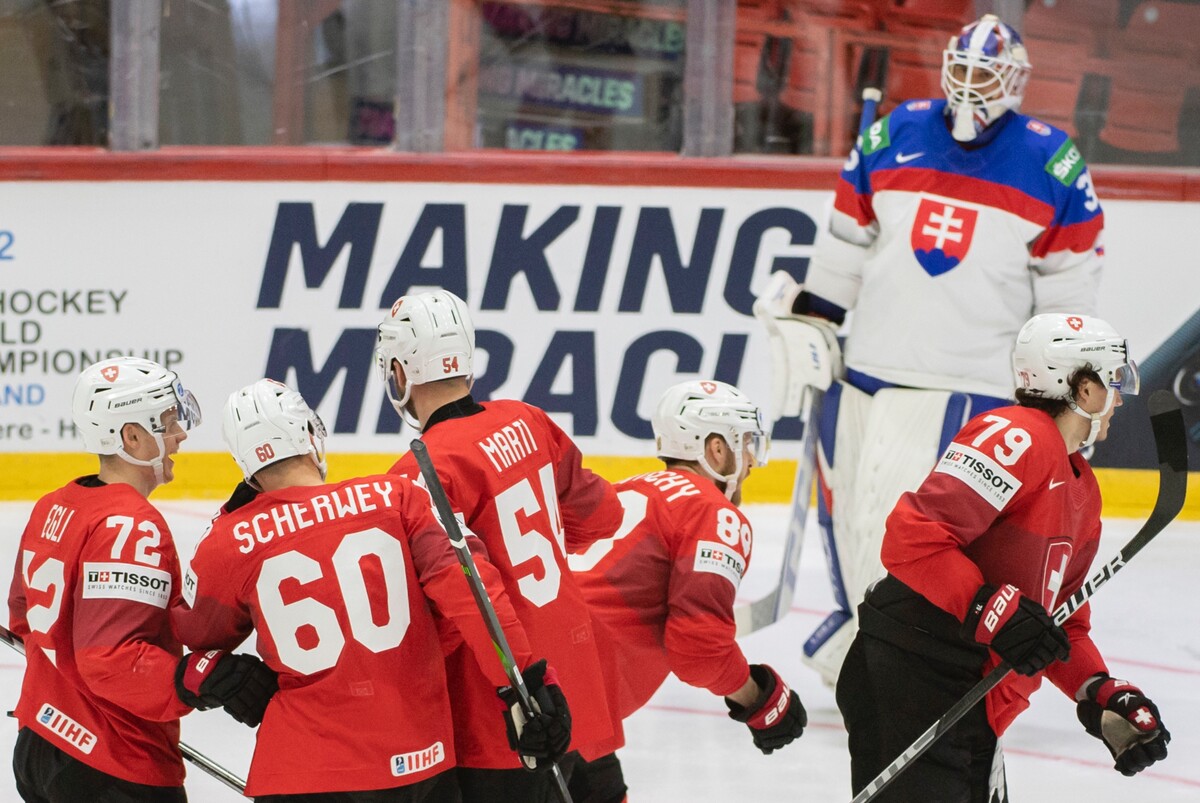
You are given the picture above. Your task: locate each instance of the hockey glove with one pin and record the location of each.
(241, 684)
(1118, 714)
(776, 718)
(545, 737)
(1016, 628)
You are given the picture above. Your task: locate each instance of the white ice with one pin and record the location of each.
(682, 747)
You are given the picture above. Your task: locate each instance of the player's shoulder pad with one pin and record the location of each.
(131, 503)
(1060, 156)
(880, 135)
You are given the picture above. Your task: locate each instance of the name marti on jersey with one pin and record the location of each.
(510, 444)
(286, 518)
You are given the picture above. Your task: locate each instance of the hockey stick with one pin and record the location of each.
(190, 753)
(1170, 440)
(467, 561)
(771, 608)
(756, 615)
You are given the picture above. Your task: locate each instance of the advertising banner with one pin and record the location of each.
(588, 301)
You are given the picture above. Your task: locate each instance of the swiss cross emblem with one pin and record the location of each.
(110, 373)
(941, 235)
(1075, 322)
(709, 387)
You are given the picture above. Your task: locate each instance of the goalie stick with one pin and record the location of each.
(467, 561)
(190, 753)
(771, 608)
(1170, 440)
(754, 616)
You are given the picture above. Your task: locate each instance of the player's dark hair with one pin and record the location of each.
(1056, 407)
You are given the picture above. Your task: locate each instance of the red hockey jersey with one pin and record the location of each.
(96, 573)
(1005, 504)
(340, 583)
(662, 588)
(519, 483)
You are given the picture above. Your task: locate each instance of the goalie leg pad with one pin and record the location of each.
(883, 446)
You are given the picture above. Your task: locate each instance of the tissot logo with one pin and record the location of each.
(126, 581)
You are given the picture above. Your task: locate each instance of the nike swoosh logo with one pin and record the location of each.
(901, 158)
(1054, 484)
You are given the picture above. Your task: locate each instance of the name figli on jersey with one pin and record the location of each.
(286, 518)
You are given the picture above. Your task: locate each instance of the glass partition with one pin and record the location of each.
(579, 75)
(1121, 76)
(257, 72)
(54, 72)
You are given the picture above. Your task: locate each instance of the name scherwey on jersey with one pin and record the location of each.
(335, 580)
(96, 572)
(519, 483)
(662, 589)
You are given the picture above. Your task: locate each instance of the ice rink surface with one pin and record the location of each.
(682, 747)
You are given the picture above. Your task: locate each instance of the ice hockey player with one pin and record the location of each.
(96, 573)
(519, 483)
(1002, 531)
(346, 585)
(953, 222)
(662, 588)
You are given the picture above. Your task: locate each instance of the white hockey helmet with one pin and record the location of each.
(266, 422)
(984, 72)
(431, 336)
(1053, 346)
(689, 412)
(129, 390)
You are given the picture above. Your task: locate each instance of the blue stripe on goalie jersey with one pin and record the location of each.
(1017, 157)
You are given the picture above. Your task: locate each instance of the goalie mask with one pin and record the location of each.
(691, 411)
(431, 336)
(1052, 347)
(267, 422)
(984, 71)
(129, 390)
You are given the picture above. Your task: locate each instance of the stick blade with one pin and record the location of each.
(1170, 432)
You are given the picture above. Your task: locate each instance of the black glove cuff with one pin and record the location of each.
(978, 604)
(765, 680)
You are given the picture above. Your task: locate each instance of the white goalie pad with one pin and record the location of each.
(895, 436)
(885, 445)
(804, 353)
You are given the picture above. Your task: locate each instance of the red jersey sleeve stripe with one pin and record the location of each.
(850, 202)
(1076, 237)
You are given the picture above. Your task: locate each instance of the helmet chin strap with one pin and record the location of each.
(156, 463)
(1094, 418)
(730, 480)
